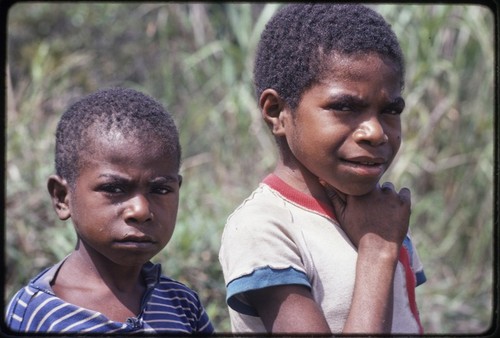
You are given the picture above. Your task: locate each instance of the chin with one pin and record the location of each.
(353, 189)
(362, 192)
(357, 191)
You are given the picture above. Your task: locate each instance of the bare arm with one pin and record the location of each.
(371, 307)
(288, 308)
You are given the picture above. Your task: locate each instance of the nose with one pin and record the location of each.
(137, 209)
(371, 131)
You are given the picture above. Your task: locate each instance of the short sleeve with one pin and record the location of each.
(260, 248)
(14, 315)
(415, 262)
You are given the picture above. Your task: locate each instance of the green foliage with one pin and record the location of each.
(197, 59)
(448, 157)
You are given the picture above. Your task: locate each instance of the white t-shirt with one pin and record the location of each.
(280, 236)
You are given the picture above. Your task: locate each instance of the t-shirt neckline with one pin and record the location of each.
(297, 197)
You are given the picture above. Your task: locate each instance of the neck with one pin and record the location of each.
(92, 266)
(300, 178)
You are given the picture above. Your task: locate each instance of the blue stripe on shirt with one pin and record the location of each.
(420, 277)
(259, 279)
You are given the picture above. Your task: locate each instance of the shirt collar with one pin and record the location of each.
(297, 197)
(150, 272)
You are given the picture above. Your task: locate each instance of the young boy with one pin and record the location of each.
(117, 163)
(320, 246)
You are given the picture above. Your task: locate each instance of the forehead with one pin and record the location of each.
(115, 146)
(101, 134)
(361, 66)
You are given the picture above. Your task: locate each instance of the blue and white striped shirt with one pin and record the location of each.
(167, 306)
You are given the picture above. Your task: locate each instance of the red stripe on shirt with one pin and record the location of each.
(410, 285)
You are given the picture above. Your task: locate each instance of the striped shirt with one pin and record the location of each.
(167, 306)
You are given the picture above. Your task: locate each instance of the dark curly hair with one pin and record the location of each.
(128, 111)
(295, 43)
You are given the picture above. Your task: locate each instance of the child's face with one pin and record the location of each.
(124, 203)
(347, 129)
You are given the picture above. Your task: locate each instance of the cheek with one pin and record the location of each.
(96, 223)
(394, 133)
(395, 143)
(167, 213)
(167, 229)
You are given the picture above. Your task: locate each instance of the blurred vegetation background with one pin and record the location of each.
(197, 60)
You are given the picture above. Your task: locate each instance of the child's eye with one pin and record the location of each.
(395, 108)
(393, 111)
(341, 107)
(161, 190)
(112, 189)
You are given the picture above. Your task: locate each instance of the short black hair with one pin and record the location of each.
(296, 41)
(132, 113)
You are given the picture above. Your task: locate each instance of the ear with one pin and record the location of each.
(273, 111)
(59, 193)
(180, 181)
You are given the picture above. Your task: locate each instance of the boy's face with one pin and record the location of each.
(347, 128)
(125, 199)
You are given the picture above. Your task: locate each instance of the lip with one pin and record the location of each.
(137, 238)
(366, 160)
(136, 241)
(366, 166)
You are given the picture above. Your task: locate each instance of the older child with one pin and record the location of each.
(320, 246)
(117, 164)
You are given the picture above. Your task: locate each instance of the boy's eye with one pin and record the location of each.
(347, 104)
(161, 190)
(393, 111)
(341, 107)
(112, 188)
(395, 108)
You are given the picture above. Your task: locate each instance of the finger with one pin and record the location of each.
(387, 186)
(405, 195)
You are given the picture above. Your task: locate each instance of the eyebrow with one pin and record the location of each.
(158, 179)
(352, 99)
(165, 179)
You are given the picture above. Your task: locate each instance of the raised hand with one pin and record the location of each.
(376, 223)
(377, 219)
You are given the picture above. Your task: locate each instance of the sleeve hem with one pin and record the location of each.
(259, 279)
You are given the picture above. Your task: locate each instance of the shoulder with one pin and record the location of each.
(28, 306)
(263, 206)
(262, 220)
(37, 289)
(263, 197)
(18, 304)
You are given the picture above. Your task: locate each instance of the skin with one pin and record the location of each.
(124, 207)
(353, 133)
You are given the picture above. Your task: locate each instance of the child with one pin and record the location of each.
(320, 246)
(117, 163)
